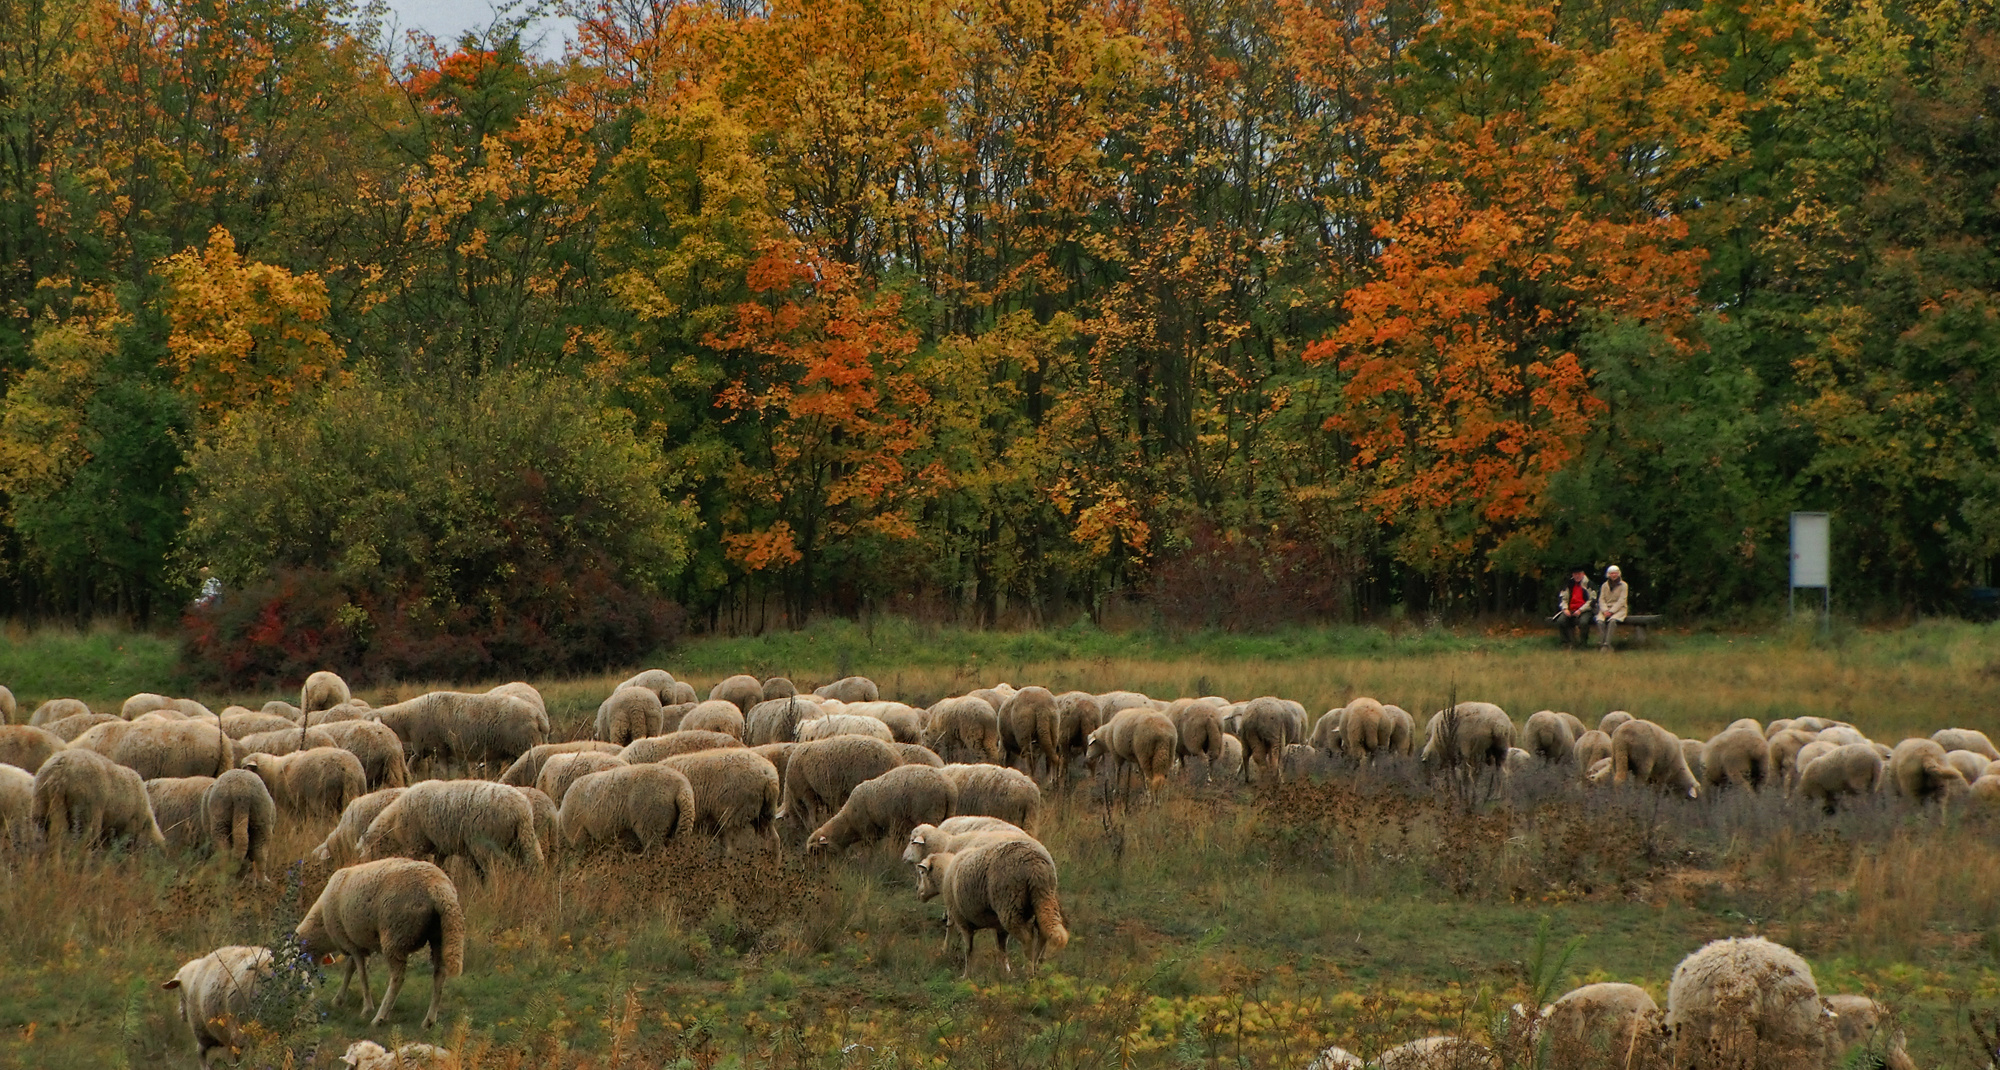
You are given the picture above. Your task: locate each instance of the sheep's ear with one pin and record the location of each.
(175, 983)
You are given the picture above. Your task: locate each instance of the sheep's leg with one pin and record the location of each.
(437, 986)
(1000, 943)
(396, 968)
(966, 974)
(346, 978)
(367, 1001)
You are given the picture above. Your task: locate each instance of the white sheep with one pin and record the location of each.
(844, 724)
(1746, 998)
(484, 822)
(629, 713)
(83, 794)
(957, 833)
(1971, 739)
(454, 726)
(1009, 887)
(323, 691)
(239, 817)
(316, 782)
(638, 806)
(162, 748)
(26, 747)
(17, 803)
(368, 1055)
(214, 990)
(343, 844)
(393, 907)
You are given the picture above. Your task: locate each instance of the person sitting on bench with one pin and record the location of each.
(1573, 606)
(1612, 601)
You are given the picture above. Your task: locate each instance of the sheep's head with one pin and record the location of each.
(1100, 745)
(920, 841)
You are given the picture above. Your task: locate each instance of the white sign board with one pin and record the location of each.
(1809, 550)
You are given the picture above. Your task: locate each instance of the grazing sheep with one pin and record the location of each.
(640, 751)
(1602, 1027)
(1819, 748)
(1746, 995)
(996, 791)
(742, 692)
(964, 729)
(889, 806)
(822, 774)
(1268, 725)
(1918, 770)
(1078, 714)
(1644, 750)
(1028, 729)
(1608, 724)
(1197, 731)
(777, 720)
(563, 770)
(238, 725)
(850, 689)
(1857, 1023)
(714, 716)
(1737, 755)
(1365, 729)
(392, 907)
(1781, 752)
(526, 692)
(368, 1055)
(1009, 887)
(323, 691)
(548, 820)
(906, 723)
(343, 844)
(27, 747)
(659, 681)
(1548, 737)
(681, 694)
(1136, 739)
(637, 806)
(239, 818)
(1971, 739)
(1437, 1053)
(284, 741)
(311, 783)
(1326, 732)
(736, 791)
(528, 767)
(844, 724)
(68, 729)
(1470, 735)
(351, 710)
(453, 726)
(278, 707)
(143, 703)
(17, 803)
(1970, 764)
(9, 709)
(176, 803)
(376, 746)
(482, 821)
(1402, 730)
(956, 834)
(1694, 751)
(1840, 735)
(780, 757)
(214, 990)
(1986, 789)
(162, 748)
(1335, 1057)
(56, 709)
(84, 795)
(779, 687)
(918, 754)
(629, 713)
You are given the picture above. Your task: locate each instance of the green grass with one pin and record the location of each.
(99, 665)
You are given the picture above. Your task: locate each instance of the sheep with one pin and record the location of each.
(56, 709)
(311, 783)
(629, 713)
(1737, 755)
(1365, 729)
(284, 741)
(213, 991)
(964, 729)
(906, 723)
(162, 748)
(26, 747)
(17, 803)
(776, 720)
(1695, 752)
(351, 710)
(526, 692)
(639, 806)
(1986, 789)
(1009, 887)
(480, 820)
(83, 794)
(1326, 732)
(1268, 724)
(376, 746)
(548, 821)
(1644, 750)
(368, 1055)
(1078, 714)
(238, 725)
(280, 708)
(996, 791)
(453, 726)
(1436, 1053)
(528, 767)
(1781, 752)
(68, 729)
(659, 681)
(779, 687)
(1139, 739)
(889, 806)
(1028, 727)
(1601, 1026)
(176, 803)
(918, 754)
(9, 709)
(239, 819)
(844, 724)
(1840, 735)
(851, 689)
(142, 703)
(742, 692)
(1608, 724)
(780, 757)
(323, 691)
(1745, 995)
(957, 833)
(1971, 739)
(822, 774)
(680, 694)
(1335, 1057)
(714, 716)
(640, 751)
(1970, 764)
(1857, 1020)
(343, 844)
(392, 907)
(1198, 733)
(1548, 737)
(1469, 735)
(563, 770)
(1918, 770)
(736, 790)
(1575, 723)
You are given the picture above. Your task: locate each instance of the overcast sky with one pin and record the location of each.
(446, 19)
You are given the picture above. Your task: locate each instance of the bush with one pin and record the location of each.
(1239, 582)
(499, 528)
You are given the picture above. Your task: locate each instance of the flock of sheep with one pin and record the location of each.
(757, 765)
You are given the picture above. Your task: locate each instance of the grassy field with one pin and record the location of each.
(1217, 926)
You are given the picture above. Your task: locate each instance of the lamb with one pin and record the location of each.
(957, 833)
(17, 803)
(851, 689)
(641, 751)
(1971, 739)
(1138, 739)
(779, 687)
(480, 820)
(1548, 737)
(1009, 887)
(214, 990)
(1746, 995)
(162, 748)
(56, 709)
(1078, 714)
(844, 724)
(1970, 764)
(1601, 1027)
(1918, 770)
(1402, 731)
(323, 691)
(368, 1055)
(311, 783)
(284, 741)
(528, 767)
(964, 729)
(563, 770)
(742, 692)
(375, 745)
(82, 793)
(639, 806)
(714, 716)
(239, 817)
(889, 806)
(822, 774)
(1609, 723)
(453, 726)
(1028, 729)
(776, 720)
(343, 844)
(27, 747)
(238, 725)
(69, 728)
(176, 803)
(1738, 755)
(736, 791)
(1644, 750)
(392, 907)
(629, 713)
(1335, 1057)
(1857, 1022)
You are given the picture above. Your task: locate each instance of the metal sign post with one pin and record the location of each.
(1810, 561)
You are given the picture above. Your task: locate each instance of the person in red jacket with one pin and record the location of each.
(1573, 607)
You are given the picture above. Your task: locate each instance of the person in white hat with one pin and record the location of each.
(1612, 599)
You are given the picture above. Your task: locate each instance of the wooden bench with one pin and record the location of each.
(1635, 623)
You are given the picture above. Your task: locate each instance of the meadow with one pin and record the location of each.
(1217, 925)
